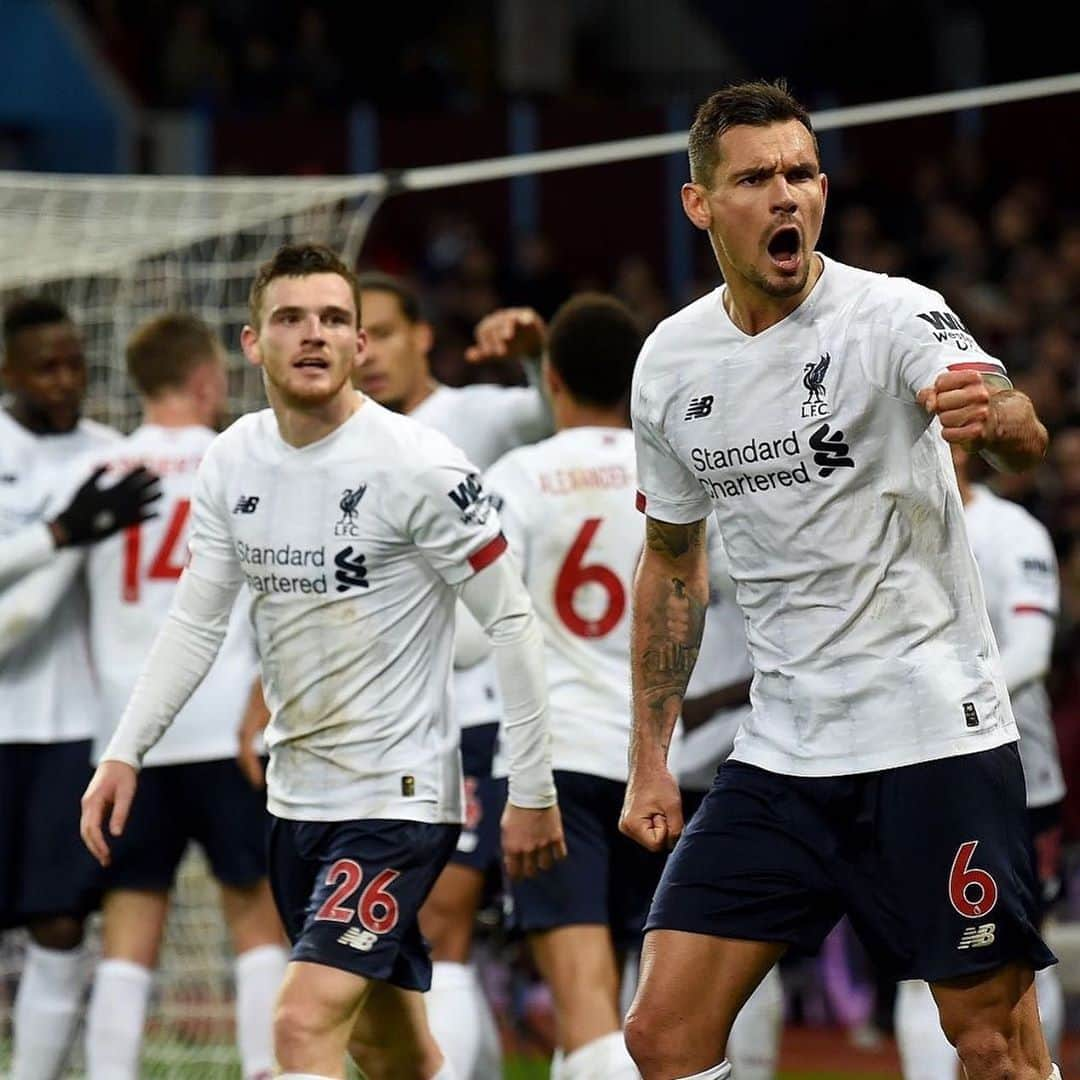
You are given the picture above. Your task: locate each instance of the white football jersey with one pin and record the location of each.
(485, 421)
(1020, 576)
(839, 508)
(131, 578)
(47, 691)
(351, 548)
(723, 660)
(566, 508)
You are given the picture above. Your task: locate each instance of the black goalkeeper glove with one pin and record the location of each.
(97, 512)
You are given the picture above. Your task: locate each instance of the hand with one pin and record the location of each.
(531, 840)
(507, 334)
(961, 401)
(652, 810)
(256, 717)
(95, 513)
(111, 789)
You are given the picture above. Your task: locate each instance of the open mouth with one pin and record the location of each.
(316, 362)
(784, 247)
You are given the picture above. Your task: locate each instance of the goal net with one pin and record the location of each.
(117, 250)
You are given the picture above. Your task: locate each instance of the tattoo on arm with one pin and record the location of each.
(668, 621)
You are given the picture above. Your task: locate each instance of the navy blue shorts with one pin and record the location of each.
(485, 797)
(209, 802)
(605, 879)
(348, 893)
(45, 868)
(932, 863)
(1047, 837)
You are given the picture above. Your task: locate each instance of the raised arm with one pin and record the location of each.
(988, 419)
(671, 594)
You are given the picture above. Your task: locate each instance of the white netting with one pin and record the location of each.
(116, 250)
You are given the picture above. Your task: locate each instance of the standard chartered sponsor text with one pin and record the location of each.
(709, 459)
(254, 558)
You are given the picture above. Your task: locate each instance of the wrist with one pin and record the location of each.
(58, 532)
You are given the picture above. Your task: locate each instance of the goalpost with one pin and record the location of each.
(116, 250)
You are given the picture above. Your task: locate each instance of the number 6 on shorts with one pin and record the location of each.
(973, 893)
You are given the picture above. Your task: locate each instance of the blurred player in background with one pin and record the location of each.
(1020, 579)
(191, 788)
(810, 405)
(355, 529)
(717, 702)
(484, 421)
(568, 513)
(48, 701)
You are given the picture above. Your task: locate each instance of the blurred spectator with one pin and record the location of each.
(194, 71)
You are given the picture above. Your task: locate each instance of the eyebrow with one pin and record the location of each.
(295, 309)
(761, 170)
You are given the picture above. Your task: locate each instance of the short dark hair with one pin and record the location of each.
(407, 297)
(298, 260)
(593, 343)
(754, 104)
(29, 312)
(164, 350)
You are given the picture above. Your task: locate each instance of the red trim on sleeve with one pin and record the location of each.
(640, 501)
(486, 555)
(1033, 609)
(978, 365)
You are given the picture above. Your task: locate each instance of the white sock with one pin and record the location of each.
(461, 1021)
(115, 1019)
(259, 972)
(47, 1007)
(925, 1053)
(1051, 1007)
(754, 1044)
(605, 1058)
(717, 1072)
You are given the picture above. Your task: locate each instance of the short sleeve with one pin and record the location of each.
(507, 486)
(1030, 572)
(211, 541)
(450, 517)
(667, 489)
(915, 337)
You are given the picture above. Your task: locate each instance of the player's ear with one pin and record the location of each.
(695, 201)
(249, 342)
(424, 337)
(361, 347)
(552, 380)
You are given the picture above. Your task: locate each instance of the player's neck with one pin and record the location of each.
(301, 425)
(176, 411)
(572, 414)
(753, 311)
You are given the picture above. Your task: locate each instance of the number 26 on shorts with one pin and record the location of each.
(377, 909)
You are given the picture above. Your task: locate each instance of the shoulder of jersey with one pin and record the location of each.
(419, 442)
(1013, 518)
(99, 432)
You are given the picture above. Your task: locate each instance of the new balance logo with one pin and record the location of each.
(361, 940)
(831, 452)
(977, 937)
(351, 572)
(246, 504)
(699, 407)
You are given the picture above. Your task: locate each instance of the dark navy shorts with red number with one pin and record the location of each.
(932, 863)
(210, 802)
(606, 878)
(485, 797)
(349, 893)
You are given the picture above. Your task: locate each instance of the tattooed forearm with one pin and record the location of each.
(674, 541)
(669, 616)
